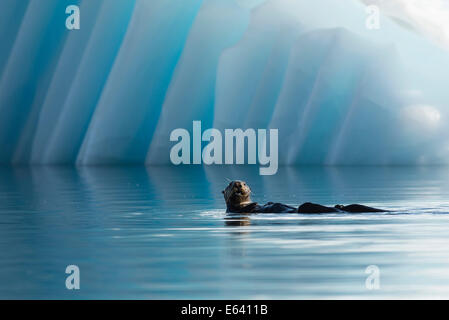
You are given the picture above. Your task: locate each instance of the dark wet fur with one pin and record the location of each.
(237, 197)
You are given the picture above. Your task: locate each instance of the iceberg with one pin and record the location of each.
(339, 93)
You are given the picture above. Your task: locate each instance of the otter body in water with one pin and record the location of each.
(238, 200)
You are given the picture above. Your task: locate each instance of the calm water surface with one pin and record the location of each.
(162, 232)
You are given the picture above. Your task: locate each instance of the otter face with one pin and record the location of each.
(237, 192)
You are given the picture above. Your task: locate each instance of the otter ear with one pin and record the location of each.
(222, 191)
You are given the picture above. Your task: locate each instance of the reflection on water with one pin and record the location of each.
(238, 221)
(162, 232)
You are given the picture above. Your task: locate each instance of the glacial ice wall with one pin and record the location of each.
(111, 93)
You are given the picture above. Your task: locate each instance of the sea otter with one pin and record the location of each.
(238, 200)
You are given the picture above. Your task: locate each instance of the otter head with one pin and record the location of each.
(237, 193)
